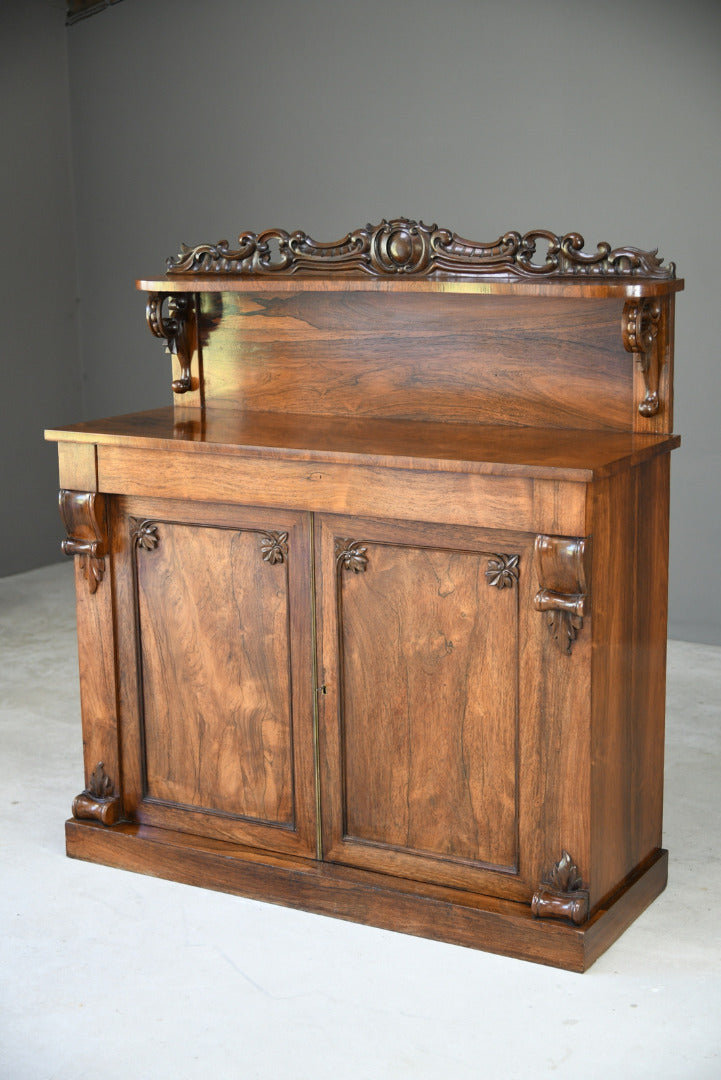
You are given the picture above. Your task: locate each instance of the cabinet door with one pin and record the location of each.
(419, 714)
(216, 702)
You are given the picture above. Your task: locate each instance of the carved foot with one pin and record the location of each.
(97, 803)
(560, 896)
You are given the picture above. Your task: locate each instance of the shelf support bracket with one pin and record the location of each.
(641, 319)
(173, 328)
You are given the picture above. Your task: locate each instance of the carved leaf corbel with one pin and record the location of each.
(561, 894)
(83, 514)
(641, 320)
(97, 802)
(173, 328)
(561, 562)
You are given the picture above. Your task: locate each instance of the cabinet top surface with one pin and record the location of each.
(565, 454)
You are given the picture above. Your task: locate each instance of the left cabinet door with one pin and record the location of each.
(215, 662)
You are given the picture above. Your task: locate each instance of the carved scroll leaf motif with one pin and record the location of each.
(97, 802)
(144, 534)
(561, 895)
(274, 547)
(563, 596)
(502, 571)
(351, 555)
(641, 319)
(404, 246)
(173, 329)
(83, 515)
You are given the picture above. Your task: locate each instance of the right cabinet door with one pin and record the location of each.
(419, 700)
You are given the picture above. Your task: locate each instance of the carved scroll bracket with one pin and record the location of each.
(97, 802)
(641, 319)
(173, 328)
(83, 515)
(561, 562)
(561, 895)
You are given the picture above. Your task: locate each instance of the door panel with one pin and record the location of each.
(224, 731)
(420, 715)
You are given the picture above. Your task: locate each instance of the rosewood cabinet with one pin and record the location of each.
(372, 620)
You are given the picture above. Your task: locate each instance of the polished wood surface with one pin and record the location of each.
(372, 620)
(545, 453)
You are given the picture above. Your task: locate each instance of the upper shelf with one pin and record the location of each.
(401, 254)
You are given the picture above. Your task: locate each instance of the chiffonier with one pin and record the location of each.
(372, 619)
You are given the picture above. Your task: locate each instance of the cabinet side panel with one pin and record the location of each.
(631, 573)
(213, 628)
(630, 523)
(650, 632)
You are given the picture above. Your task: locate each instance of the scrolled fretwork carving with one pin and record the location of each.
(351, 555)
(173, 328)
(561, 894)
(144, 534)
(97, 802)
(83, 514)
(404, 246)
(502, 571)
(641, 320)
(561, 562)
(274, 547)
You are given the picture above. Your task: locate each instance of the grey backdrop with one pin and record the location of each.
(191, 121)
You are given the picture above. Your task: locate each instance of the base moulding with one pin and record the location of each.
(442, 914)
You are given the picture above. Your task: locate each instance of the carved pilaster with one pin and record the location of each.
(351, 555)
(561, 894)
(83, 515)
(97, 802)
(561, 563)
(173, 328)
(641, 319)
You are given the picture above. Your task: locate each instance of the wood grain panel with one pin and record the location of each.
(486, 501)
(429, 704)
(478, 359)
(419, 661)
(213, 625)
(215, 655)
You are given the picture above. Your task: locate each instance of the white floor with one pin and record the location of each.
(105, 974)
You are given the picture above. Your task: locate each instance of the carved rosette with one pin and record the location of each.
(97, 802)
(83, 515)
(404, 246)
(143, 534)
(641, 320)
(351, 555)
(502, 571)
(561, 562)
(173, 329)
(274, 547)
(561, 894)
